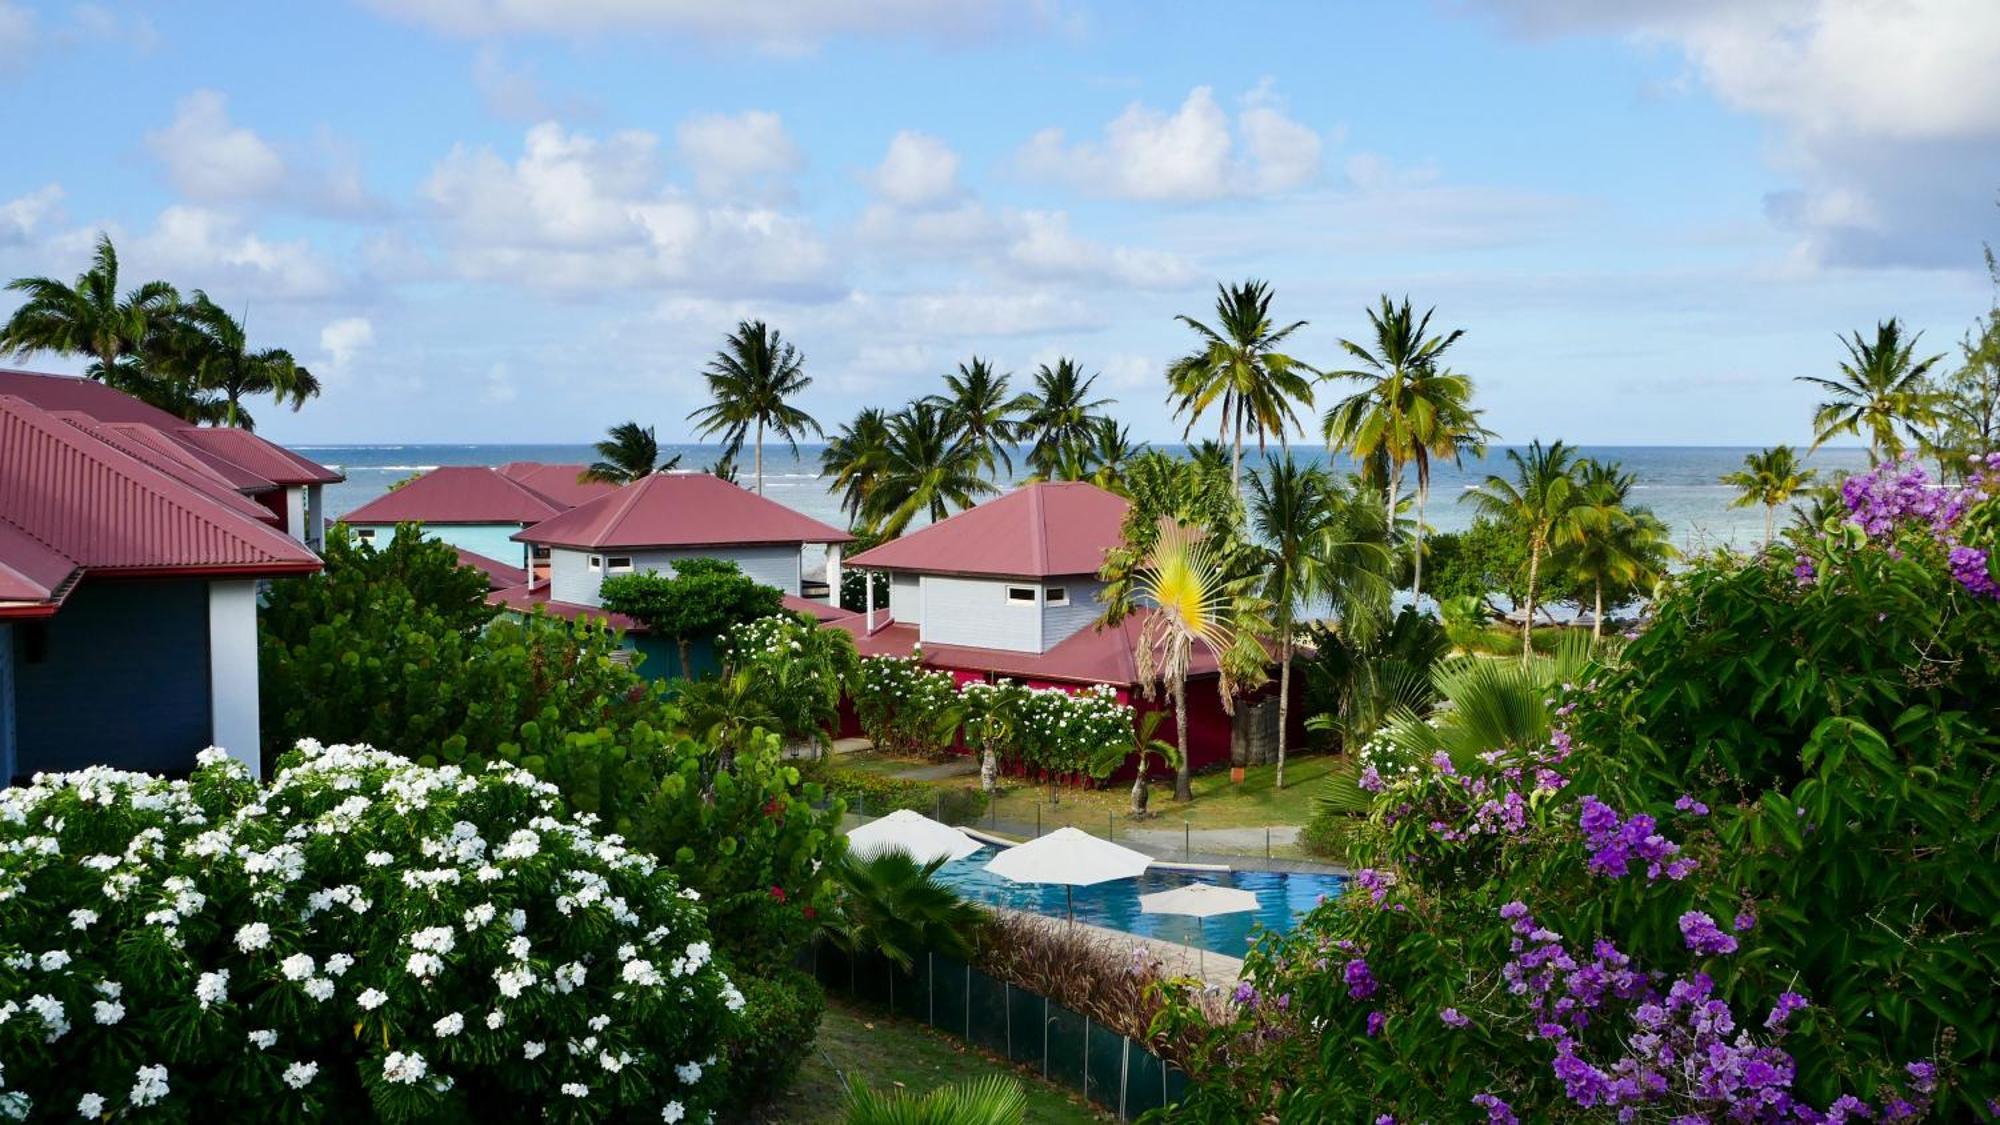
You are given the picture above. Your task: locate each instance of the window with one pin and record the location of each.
(365, 534)
(541, 554)
(1020, 595)
(596, 563)
(620, 564)
(1056, 595)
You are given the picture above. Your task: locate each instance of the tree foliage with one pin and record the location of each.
(699, 601)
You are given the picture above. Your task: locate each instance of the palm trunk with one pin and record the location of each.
(1183, 776)
(1142, 795)
(760, 457)
(1770, 513)
(1417, 582)
(1236, 461)
(230, 419)
(989, 770)
(1528, 617)
(1597, 622)
(1284, 701)
(687, 672)
(1389, 530)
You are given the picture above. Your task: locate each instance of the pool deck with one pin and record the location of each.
(1218, 970)
(1168, 851)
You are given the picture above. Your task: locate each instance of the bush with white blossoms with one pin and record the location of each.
(363, 937)
(1060, 732)
(904, 706)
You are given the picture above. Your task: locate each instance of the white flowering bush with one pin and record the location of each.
(363, 937)
(904, 706)
(1062, 733)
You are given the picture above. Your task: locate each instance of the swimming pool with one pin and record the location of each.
(1281, 898)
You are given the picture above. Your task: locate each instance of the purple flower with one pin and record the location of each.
(1703, 936)
(1616, 844)
(1376, 1021)
(1969, 566)
(1788, 1002)
(1923, 1076)
(1442, 761)
(1744, 921)
(1246, 993)
(1688, 804)
(1361, 982)
(1497, 1111)
(1453, 1018)
(1370, 781)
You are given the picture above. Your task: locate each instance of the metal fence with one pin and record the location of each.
(1068, 1049)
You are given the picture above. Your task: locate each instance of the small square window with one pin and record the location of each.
(596, 563)
(1056, 595)
(365, 534)
(541, 554)
(1021, 595)
(620, 564)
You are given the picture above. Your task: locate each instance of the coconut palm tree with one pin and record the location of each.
(92, 318)
(1057, 414)
(1539, 503)
(979, 405)
(1304, 554)
(927, 466)
(1239, 366)
(1882, 389)
(1409, 408)
(1100, 458)
(1193, 604)
(751, 379)
(1609, 543)
(1768, 478)
(629, 452)
(853, 458)
(216, 351)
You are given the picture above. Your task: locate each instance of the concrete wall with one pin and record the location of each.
(906, 598)
(571, 580)
(489, 539)
(1061, 622)
(976, 612)
(121, 676)
(232, 670)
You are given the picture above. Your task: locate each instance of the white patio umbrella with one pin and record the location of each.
(906, 831)
(1199, 901)
(1071, 857)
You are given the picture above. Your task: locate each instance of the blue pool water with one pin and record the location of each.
(1281, 898)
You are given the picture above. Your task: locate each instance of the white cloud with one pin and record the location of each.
(209, 158)
(509, 91)
(578, 212)
(23, 218)
(777, 25)
(499, 388)
(963, 313)
(343, 340)
(741, 153)
(919, 171)
(17, 36)
(1045, 247)
(1190, 154)
(200, 248)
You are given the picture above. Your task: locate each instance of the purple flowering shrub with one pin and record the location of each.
(1753, 876)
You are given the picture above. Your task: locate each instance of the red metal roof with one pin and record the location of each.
(267, 459)
(148, 444)
(680, 510)
(499, 576)
(1108, 655)
(520, 599)
(72, 502)
(559, 483)
(1037, 531)
(817, 610)
(458, 494)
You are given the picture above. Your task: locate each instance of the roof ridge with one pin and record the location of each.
(631, 493)
(1039, 526)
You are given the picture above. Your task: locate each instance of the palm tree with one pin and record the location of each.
(927, 467)
(1883, 389)
(1058, 413)
(995, 1099)
(1409, 408)
(1537, 503)
(1305, 554)
(91, 318)
(1609, 543)
(1193, 605)
(1239, 366)
(750, 380)
(1768, 478)
(979, 406)
(853, 458)
(1100, 458)
(1141, 751)
(628, 453)
(893, 905)
(216, 351)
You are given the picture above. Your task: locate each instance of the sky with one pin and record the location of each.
(528, 220)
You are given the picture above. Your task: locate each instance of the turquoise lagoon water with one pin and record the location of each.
(1281, 898)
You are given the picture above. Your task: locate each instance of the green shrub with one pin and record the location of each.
(700, 600)
(904, 707)
(362, 939)
(873, 794)
(772, 1035)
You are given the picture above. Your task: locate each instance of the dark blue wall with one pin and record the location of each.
(118, 677)
(6, 702)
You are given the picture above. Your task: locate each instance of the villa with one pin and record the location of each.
(131, 548)
(651, 524)
(1009, 590)
(478, 509)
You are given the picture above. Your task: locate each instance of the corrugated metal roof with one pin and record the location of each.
(680, 510)
(1042, 530)
(267, 459)
(1108, 655)
(459, 494)
(520, 599)
(499, 575)
(559, 483)
(148, 444)
(68, 496)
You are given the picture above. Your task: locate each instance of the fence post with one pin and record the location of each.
(930, 985)
(937, 806)
(1124, 1076)
(1045, 1037)
(1267, 843)
(1187, 840)
(1108, 826)
(1038, 818)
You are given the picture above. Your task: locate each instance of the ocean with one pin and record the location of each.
(1679, 483)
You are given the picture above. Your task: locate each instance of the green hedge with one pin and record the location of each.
(774, 1033)
(872, 794)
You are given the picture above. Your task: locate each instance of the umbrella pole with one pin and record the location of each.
(1069, 902)
(1201, 946)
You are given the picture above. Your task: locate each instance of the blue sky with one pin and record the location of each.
(525, 220)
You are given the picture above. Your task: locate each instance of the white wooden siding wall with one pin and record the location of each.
(906, 598)
(571, 580)
(976, 612)
(1061, 622)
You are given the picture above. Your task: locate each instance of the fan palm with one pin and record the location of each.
(1486, 705)
(1609, 543)
(853, 458)
(980, 407)
(750, 380)
(1768, 478)
(1057, 414)
(92, 318)
(926, 466)
(1409, 410)
(1239, 366)
(994, 1099)
(1306, 553)
(895, 906)
(1882, 388)
(1539, 504)
(1194, 604)
(629, 452)
(1141, 751)
(216, 350)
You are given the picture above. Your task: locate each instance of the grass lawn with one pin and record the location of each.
(888, 1051)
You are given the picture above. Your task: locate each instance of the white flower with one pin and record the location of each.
(672, 1112)
(688, 1072)
(263, 1040)
(495, 1019)
(403, 1069)
(532, 1049)
(298, 966)
(90, 1105)
(150, 1087)
(54, 959)
(517, 920)
(612, 1063)
(731, 999)
(212, 988)
(514, 981)
(479, 916)
(108, 1012)
(424, 965)
(338, 964)
(523, 844)
(640, 972)
(379, 859)
(576, 1089)
(83, 920)
(372, 999)
(52, 1014)
(300, 1073)
(320, 989)
(109, 989)
(253, 937)
(450, 1025)
(436, 939)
